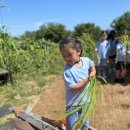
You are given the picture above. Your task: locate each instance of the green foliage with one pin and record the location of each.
(31, 61)
(122, 23)
(51, 31)
(88, 28)
(26, 89)
(88, 44)
(6, 118)
(29, 54)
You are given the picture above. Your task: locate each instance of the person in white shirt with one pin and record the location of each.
(120, 65)
(102, 51)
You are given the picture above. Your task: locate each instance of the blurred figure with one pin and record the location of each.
(102, 51)
(120, 65)
(112, 51)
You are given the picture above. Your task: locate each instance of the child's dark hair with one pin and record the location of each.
(75, 44)
(112, 34)
(104, 32)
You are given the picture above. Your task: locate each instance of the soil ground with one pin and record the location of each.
(113, 113)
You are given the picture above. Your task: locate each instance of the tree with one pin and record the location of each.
(53, 32)
(122, 23)
(29, 34)
(88, 28)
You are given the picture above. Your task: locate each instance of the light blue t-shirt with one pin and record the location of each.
(112, 47)
(74, 75)
(102, 49)
(121, 52)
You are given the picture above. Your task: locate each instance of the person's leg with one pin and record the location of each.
(118, 71)
(99, 68)
(104, 72)
(128, 68)
(71, 120)
(123, 73)
(118, 74)
(117, 79)
(110, 65)
(104, 63)
(86, 125)
(112, 61)
(114, 64)
(68, 126)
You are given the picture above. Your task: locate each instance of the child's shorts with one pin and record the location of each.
(120, 65)
(102, 62)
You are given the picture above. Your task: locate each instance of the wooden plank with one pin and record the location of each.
(36, 121)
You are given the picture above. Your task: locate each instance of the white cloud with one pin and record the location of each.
(38, 24)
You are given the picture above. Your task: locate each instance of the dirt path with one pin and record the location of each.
(52, 102)
(111, 114)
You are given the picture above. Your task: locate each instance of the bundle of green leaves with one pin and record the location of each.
(89, 105)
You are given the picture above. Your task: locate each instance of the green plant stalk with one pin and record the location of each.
(87, 108)
(6, 118)
(78, 99)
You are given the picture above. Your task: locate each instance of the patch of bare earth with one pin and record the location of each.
(111, 114)
(52, 103)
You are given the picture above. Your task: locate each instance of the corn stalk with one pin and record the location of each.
(88, 45)
(125, 39)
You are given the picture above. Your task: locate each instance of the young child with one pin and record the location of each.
(120, 66)
(102, 50)
(112, 51)
(77, 72)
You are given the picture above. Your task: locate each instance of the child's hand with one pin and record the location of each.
(92, 74)
(96, 49)
(92, 71)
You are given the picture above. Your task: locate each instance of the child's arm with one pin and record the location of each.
(84, 82)
(80, 85)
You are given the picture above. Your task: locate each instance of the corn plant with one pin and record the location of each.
(29, 60)
(88, 44)
(124, 38)
(40, 54)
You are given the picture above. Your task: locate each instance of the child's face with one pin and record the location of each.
(104, 37)
(70, 55)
